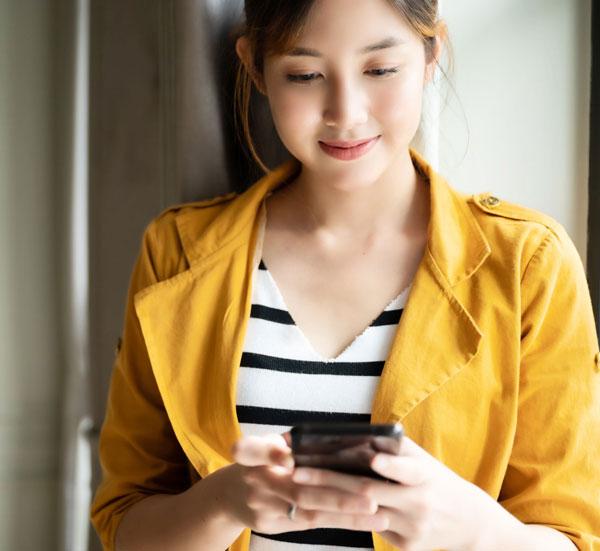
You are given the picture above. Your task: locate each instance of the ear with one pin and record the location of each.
(244, 52)
(433, 59)
(439, 40)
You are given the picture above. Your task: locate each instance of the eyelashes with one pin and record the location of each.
(302, 78)
(382, 72)
(307, 78)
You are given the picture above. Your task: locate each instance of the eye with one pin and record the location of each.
(304, 78)
(382, 72)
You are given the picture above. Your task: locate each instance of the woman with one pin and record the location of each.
(249, 313)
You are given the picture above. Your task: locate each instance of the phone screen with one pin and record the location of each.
(346, 447)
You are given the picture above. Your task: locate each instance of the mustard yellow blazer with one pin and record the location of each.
(494, 368)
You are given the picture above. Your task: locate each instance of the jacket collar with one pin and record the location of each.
(456, 242)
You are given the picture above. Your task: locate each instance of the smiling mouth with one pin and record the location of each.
(347, 144)
(348, 153)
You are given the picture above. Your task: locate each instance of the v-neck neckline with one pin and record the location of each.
(401, 297)
(302, 336)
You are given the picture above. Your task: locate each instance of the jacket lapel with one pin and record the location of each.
(195, 322)
(435, 340)
(437, 337)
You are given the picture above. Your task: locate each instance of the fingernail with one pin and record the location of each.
(301, 476)
(288, 462)
(368, 505)
(380, 462)
(382, 524)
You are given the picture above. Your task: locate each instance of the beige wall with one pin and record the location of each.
(29, 342)
(522, 76)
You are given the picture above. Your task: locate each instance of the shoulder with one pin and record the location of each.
(488, 207)
(206, 207)
(166, 237)
(169, 223)
(507, 224)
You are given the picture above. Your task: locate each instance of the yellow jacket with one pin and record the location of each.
(493, 370)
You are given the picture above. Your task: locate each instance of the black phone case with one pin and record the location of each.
(344, 447)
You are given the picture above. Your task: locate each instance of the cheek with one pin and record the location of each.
(294, 112)
(398, 108)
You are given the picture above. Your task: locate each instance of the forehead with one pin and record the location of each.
(362, 25)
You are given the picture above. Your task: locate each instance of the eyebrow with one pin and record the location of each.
(388, 42)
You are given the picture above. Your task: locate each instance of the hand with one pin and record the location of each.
(259, 489)
(431, 508)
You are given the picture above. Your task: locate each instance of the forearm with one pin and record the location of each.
(549, 538)
(195, 519)
(499, 530)
(528, 536)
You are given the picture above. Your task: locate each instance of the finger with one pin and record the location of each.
(382, 492)
(287, 436)
(325, 499)
(309, 497)
(267, 505)
(410, 448)
(403, 469)
(270, 449)
(307, 519)
(402, 524)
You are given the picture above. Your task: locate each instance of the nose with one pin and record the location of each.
(346, 105)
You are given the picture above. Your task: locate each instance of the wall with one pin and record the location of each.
(30, 372)
(522, 75)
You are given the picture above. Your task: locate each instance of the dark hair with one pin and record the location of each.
(272, 26)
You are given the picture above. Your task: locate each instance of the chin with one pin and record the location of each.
(351, 180)
(360, 173)
(344, 175)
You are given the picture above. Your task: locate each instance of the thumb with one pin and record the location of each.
(411, 449)
(270, 449)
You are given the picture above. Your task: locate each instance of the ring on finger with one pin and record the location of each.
(291, 512)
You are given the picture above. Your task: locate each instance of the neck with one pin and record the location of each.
(397, 202)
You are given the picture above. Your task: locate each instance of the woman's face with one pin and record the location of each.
(347, 88)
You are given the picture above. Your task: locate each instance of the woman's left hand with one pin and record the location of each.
(431, 508)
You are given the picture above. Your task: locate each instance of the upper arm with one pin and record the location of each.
(553, 477)
(139, 453)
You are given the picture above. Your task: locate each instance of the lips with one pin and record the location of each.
(349, 150)
(346, 144)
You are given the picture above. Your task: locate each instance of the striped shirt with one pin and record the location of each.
(283, 381)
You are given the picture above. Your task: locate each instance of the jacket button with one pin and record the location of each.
(490, 201)
(597, 361)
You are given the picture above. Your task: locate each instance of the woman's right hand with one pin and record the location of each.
(258, 490)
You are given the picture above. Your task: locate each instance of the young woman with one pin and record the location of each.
(352, 283)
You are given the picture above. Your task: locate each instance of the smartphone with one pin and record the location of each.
(344, 447)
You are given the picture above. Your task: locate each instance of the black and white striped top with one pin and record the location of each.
(283, 381)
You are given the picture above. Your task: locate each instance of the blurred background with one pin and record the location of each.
(112, 110)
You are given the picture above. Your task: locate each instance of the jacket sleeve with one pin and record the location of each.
(553, 477)
(139, 453)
